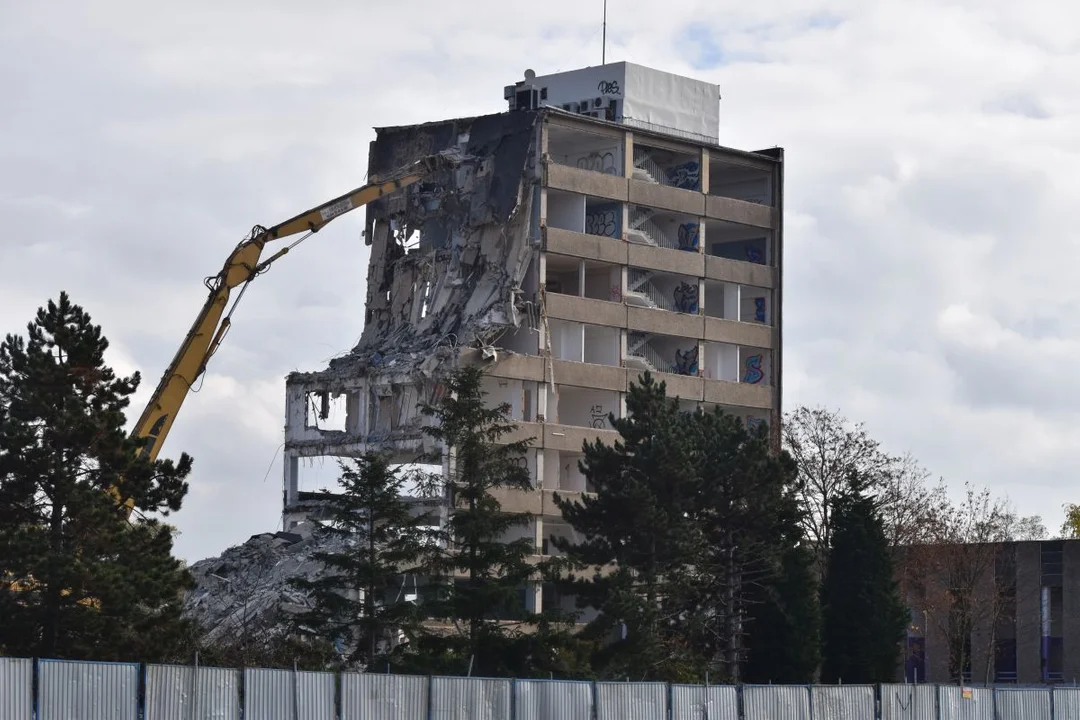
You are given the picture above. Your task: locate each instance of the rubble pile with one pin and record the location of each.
(247, 588)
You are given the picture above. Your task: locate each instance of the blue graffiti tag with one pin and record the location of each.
(754, 374)
(755, 256)
(686, 176)
(686, 298)
(689, 234)
(686, 361)
(759, 309)
(755, 424)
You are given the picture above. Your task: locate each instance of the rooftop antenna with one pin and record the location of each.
(603, 43)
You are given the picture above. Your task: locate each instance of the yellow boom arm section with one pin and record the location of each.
(241, 268)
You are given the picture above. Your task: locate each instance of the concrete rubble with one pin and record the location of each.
(246, 590)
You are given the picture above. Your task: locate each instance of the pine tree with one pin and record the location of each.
(748, 514)
(785, 621)
(359, 602)
(864, 618)
(77, 579)
(483, 574)
(638, 522)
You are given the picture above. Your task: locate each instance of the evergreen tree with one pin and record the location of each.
(639, 523)
(483, 574)
(864, 617)
(785, 621)
(748, 513)
(77, 579)
(359, 601)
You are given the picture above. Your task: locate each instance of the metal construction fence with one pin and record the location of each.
(66, 690)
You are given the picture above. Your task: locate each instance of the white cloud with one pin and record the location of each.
(932, 169)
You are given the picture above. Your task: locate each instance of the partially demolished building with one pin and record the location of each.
(598, 230)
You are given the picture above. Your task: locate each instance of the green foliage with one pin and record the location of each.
(693, 519)
(358, 602)
(480, 599)
(76, 578)
(785, 622)
(749, 516)
(864, 617)
(639, 522)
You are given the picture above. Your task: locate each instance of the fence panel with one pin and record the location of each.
(177, 692)
(908, 702)
(1066, 703)
(631, 701)
(961, 703)
(552, 699)
(16, 689)
(1022, 703)
(842, 702)
(383, 697)
(288, 695)
(87, 690)
(469, 699)
(766, 702)
(695, 702)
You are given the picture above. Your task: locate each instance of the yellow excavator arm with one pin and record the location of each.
(242, 266)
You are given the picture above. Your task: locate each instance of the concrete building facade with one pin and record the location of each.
(599, 230)
(1024, 612)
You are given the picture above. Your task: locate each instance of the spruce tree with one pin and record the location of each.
(359, 600)
(748, 513)
(638, 523)
(77, 578)
(784, 623)
(863, 616)
(484, 575)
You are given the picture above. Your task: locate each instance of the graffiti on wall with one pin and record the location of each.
(686, 298)
(599, 417)
(686, 361)
(686, 176)
(616, 293)
(754, 373)
(689, 235)
(608, 87)
(601, 222)
(755, 424)
(599, 161)
(755, 255)
(759, 309)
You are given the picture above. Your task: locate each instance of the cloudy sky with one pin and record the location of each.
(932, 160)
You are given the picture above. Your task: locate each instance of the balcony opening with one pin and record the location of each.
(523, 340)
(563, 275)
(740, 183)
(603, 217)
(327, 410)
(755, 366)
(565, 211)
(663, 228)
(756, 305)
(738, 242)
(602, 345)
(662, 291)
(721, 300)
(582, 407)
(603, 281)
(585, 150)
(662, 353)
(567, 340)
(666, 167)
(505, 391)
(721, 362)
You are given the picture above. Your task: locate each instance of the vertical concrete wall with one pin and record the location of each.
(1028, 641)
(1071, 611)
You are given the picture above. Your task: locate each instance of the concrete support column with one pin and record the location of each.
(1028, 630)
(628, 156)
(581, 278)
(704, 170)
(1070, 611)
